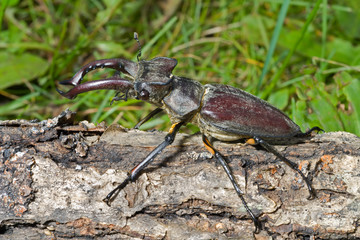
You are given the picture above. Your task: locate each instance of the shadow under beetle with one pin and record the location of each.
(222, 112)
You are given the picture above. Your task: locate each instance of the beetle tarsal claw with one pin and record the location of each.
(311, 197)
(123, 96)
(117, 99)
(107, 201)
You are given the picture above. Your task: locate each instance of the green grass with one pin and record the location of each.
(301, 56)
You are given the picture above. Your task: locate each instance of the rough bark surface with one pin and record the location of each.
(54, 175)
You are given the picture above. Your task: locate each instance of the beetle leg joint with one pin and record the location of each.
(253, 141)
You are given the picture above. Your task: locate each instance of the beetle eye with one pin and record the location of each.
(144, 94)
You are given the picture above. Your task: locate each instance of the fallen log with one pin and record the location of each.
(54, 175)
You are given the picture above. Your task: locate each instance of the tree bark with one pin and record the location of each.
(54, 175)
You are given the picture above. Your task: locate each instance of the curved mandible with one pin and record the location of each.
(118, 84)
(119, 64)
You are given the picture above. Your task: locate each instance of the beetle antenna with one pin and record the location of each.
(136, 37)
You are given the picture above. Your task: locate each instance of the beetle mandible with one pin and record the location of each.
(221, 112)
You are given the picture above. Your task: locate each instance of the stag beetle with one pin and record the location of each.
(221, 112)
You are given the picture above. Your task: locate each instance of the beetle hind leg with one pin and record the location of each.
(226, 167)
(294, 166)
(308, 132)
(169, 138)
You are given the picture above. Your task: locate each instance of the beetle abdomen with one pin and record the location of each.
(226, 109)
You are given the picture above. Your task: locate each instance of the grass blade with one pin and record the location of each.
(277, 76)
(274, 39)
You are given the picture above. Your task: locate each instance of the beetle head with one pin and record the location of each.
(154, 79)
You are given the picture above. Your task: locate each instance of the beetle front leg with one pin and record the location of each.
(169, 139)
(147, 117)
(226, 167)
(294, 166)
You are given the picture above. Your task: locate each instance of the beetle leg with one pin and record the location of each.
(109, 83)
(150, 115)
(308, 132)
(291, 164)
(226, 167)
(121, 97)
(169, 139)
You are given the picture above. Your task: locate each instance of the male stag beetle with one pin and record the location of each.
(221, 112)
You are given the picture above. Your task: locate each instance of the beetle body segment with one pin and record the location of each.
(154, 80)
(184, 101)
(231, 114)
(156, 71)
(225, 112)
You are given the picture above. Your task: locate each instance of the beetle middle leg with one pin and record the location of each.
(294, 166)
(169, 139)
(147, 117)
(226, 167)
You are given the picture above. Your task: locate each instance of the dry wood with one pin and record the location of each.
(54, 175)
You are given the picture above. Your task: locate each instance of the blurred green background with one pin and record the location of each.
(301, 56)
